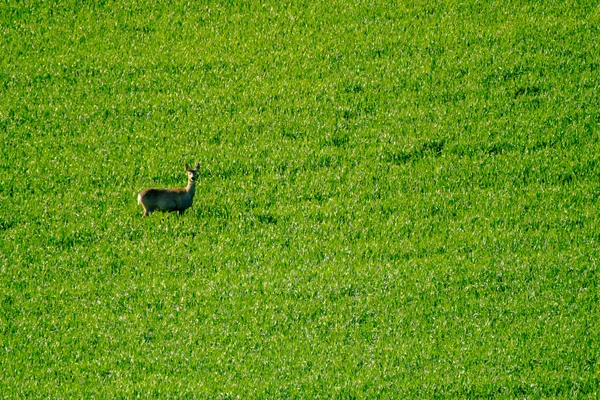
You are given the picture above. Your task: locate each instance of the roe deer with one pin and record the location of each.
(170, 199)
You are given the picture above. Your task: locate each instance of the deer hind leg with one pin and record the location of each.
(147, 210)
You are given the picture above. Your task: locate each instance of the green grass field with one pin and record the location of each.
(396, 199)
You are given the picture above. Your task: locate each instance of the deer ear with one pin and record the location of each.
(197, 166)
(187, 167)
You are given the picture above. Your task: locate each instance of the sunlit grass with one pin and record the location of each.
(394, 200)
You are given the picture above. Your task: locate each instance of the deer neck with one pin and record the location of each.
(191, 188)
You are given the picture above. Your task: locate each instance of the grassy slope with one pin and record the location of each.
(394, 199)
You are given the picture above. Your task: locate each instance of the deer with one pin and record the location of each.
(170, 200)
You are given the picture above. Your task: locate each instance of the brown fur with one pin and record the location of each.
(170, 199)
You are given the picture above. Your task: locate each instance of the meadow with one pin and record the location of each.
(396, 199)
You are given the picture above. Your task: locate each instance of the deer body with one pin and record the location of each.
(170, 199)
